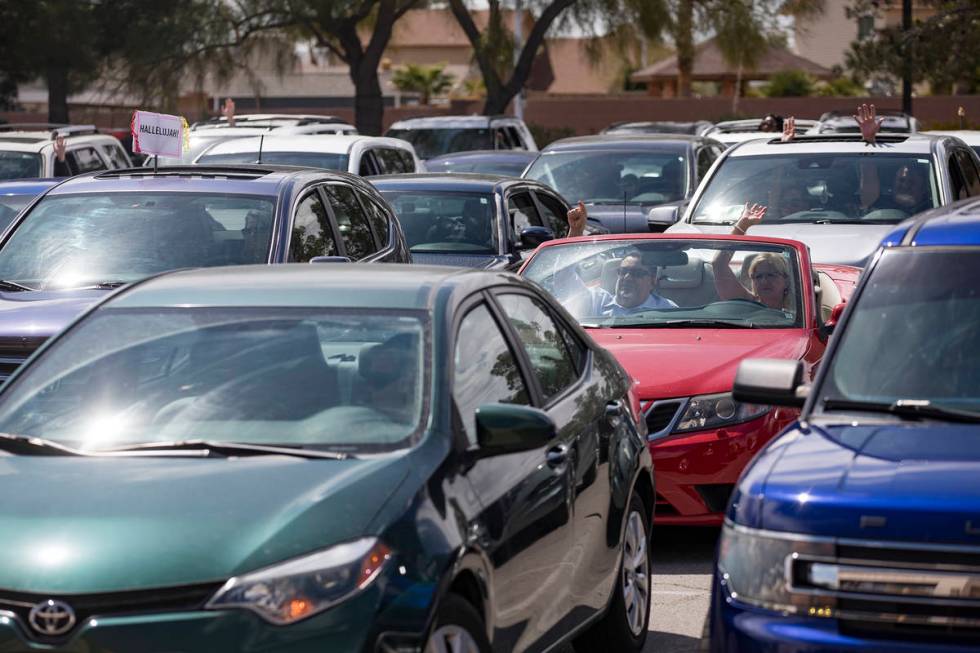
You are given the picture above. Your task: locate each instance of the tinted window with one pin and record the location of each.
(956, 181)
(116, 155)
(351, 221)
(440, 221)
(68, 241)
(523, 213)
(433, 142)
(705, 159)
(408, 161)
(970, 174)
(306, 159)
(800, 187)
(272, 375)
(391, 161)
(84, 159)
(369, 165)
(378, 218)
(554, 213)
(20, 165)
(515, 138)
(485, 370)
(312, 234)
(543, 341)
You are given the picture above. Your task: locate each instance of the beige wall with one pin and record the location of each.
(827, 37)
(429, 55)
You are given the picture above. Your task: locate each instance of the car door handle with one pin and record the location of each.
(557, 455)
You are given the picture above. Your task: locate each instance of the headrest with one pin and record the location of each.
(472, 208)
(610, 270)
(384, 362)
(682, 276)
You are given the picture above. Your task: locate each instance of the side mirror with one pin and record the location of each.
(531, 237)
(662, 216)
(329, 259)
(827, 327)
(507, 428)
(771, 381)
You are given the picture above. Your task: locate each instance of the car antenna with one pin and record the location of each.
(261, 140)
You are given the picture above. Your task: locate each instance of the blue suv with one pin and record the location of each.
(859, 527)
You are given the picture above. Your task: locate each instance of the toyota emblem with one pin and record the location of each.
(51, 618)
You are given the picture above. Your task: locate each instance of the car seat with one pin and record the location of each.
(610, 274)
(828, 295)
(692, 284)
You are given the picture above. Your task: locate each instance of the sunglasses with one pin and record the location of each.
(632, 272)
(765, 276)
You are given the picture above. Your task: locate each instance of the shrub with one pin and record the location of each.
(789, 83)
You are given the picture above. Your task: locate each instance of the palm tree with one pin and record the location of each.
(427, 81)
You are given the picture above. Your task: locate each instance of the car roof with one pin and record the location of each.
(232, 179)
(484, 155)
(957, 224)
(752, 125)
(323, 143)
(26, 186)
(221, 121)
(445, 181)
(837, 144)
(35, 141)
(660, 142)
(679, 235)
(450, 122)
(969, 136)
(390, 286)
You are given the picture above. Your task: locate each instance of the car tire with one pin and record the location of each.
(458, 628)
(624, 628)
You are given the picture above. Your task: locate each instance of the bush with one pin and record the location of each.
(789, 83)
(840, 87)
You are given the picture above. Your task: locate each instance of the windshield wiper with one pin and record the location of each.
(225, 449)
(13, 286)
(706, 324)
(25, 445)
(914, 408)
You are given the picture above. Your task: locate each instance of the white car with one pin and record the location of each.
(27, 151)
(969, 136)
(732, 132)
(835, 193)
(359, 155)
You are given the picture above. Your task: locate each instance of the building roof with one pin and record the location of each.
(709, 65)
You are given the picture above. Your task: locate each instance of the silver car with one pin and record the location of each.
(836, 193)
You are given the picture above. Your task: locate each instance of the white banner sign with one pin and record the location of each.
(158, 133)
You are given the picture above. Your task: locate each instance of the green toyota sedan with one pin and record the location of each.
(323, 458)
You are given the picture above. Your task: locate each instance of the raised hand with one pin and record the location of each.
(789, 129)
(868, 121)
(576, 220)
(59, 147)
(751, 215)
(228, 111)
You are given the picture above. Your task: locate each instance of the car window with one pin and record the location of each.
(116, 155)
(312, 234)
(446, 221)
(515, 138)
(378, 219)
(408, 161)
(705, 159)
(369, 165)
(956, 181)
(390, 161)
(543, 341)
(351, 221)
(554, 214)
(485, 370)
(971, 176)
(501, 141)
(84, 159)
(522, 212)
(20, 165)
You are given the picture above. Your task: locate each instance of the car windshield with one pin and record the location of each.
(507, 167)
(435, 142)
(914, 334)
(347, 380)
(73, 241)
(10, 205)
(613, 177)
(20, 165)
(446, 221)
(325, 160)
(883, 188)
(673, 283)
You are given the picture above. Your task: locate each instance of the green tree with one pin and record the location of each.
(427, 81)
(789, 83)
(942, 49)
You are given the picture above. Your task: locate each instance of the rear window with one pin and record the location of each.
(20, 165)
(434, 142)
(435, 221)
(305, 159)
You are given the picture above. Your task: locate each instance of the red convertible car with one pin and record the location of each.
(679, 312)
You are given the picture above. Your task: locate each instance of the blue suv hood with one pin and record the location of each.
(919, 479)
(41, 314)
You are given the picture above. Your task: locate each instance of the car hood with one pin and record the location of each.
(41, 313)
(479, 261)
(102, 524)
(847, 244)
(667, 363)
(626, 218)
(919, 478)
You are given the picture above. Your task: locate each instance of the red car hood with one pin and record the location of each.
(669, 363)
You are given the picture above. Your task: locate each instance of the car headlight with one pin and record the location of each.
(713, 411)
(296, 589)
(760, 568)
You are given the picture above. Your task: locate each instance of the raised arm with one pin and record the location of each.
(576, 220)
(726, 283)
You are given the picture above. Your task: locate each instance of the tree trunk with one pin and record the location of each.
(57, 94)
(684, 41)
(738, 87)
(369, 106)
(496, 103)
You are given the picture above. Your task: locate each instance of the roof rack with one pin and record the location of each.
(839, 138)
(53, 127)
(237, 170)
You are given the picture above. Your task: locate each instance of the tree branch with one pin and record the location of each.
(534, 40)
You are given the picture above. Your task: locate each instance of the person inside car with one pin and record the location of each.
(389, 370)
(771, 123)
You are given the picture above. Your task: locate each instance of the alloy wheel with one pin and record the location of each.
(451, 639)
(636, 573)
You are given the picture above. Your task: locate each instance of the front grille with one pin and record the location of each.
(14, 351)
(661, 414)
(86, 606)
(897, 592)
(715, 496)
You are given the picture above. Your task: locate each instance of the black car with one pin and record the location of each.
(622, 177)
(489, 162)
(80, 239)
(481, 221)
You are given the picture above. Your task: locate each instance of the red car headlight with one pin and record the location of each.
(705, 412)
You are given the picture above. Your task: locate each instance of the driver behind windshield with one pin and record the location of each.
(634, 291)
(768, 273)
